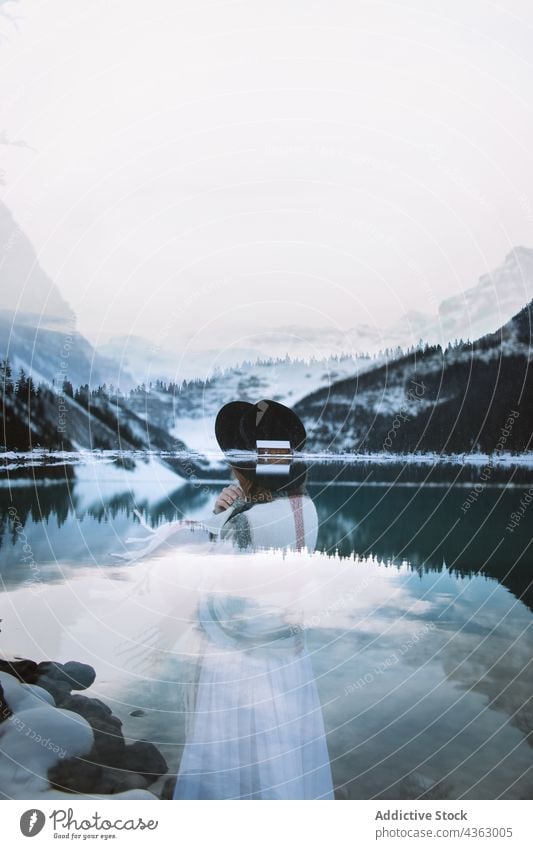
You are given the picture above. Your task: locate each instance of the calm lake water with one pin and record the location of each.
(413, 614)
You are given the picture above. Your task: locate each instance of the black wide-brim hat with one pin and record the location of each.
(244, 427)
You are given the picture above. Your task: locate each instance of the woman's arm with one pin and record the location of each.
(226, 498)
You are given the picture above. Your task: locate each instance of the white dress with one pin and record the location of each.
(257, 729)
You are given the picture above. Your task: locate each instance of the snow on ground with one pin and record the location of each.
(197, 435)
(100, 467)
(283, 381)
(524, 460)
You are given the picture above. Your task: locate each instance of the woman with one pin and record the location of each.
(257, 728)
(255, 724)
(268, 505)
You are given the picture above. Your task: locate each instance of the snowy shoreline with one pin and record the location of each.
(57, 744)
(42, 457)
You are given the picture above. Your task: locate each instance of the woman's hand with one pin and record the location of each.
(226, 498)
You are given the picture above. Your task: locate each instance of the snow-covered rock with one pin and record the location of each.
(35, 736)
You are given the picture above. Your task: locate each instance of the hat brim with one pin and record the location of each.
(238, 427)
(240, 424)
(228, 425)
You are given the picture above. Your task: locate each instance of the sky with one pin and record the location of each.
(201, 173)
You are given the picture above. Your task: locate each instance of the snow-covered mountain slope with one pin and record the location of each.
(53, 355)
(487, 306)
(470, 397)
(63, 423)
(189, 412)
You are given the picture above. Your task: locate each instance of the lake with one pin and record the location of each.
(407, 649)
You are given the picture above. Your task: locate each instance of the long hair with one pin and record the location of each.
(261, 494)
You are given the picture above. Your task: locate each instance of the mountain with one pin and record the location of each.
(53, 355)
(26, 288)
(38, 335)
(188, 410)
(485, 307)
(474, 312)
(37, 417)
(472, 396)
(37, 327)
(141, 357)
(150, 361)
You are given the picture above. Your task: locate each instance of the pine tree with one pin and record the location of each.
(68, 389)
(6, 378)
(21, 386)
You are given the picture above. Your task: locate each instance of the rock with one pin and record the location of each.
(168, 787)
(88, 707)
(73, 743)
(78, 675)
(81, 674)
(109, 741)
(50, 668)
(60, 690)
(85, 775)
(109, 744)
(146, 759)
(21, 696)
(76, 775)
(39, 692)
(35, 740)
(117, 781)
(138, 712)
(5, 710)
(24, 670)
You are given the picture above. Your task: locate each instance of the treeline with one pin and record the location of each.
(61, 418)
(34, 415)
(23, 411)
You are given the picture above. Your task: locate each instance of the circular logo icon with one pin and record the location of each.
(32, 822)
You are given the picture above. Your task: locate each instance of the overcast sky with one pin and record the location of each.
(198, 172)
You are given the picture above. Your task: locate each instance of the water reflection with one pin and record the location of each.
(407, 708)
(255, 728)
(394, 660)
(422, 526)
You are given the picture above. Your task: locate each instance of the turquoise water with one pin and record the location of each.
(414, 611)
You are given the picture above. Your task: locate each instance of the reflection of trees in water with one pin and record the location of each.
(427, 528)
(59, 502)
(397, 471)
(33, 503)
(422, 525)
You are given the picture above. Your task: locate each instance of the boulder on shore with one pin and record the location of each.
(63, 743)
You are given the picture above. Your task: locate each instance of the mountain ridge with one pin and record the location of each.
(447, 400)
